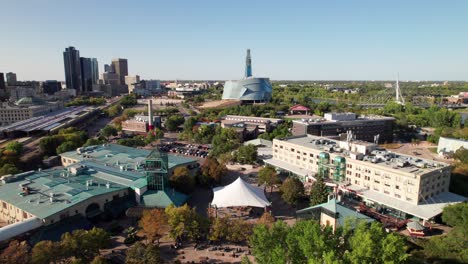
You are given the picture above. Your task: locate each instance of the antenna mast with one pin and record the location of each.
(399, 99)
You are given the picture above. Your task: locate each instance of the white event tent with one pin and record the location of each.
(239, 193)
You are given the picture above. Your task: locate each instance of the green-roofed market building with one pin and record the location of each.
(98, 179)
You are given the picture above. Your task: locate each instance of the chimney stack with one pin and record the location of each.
(150, 115)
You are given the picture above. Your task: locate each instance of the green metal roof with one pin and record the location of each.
(118, 156)
(162, 199)
(67, 191)
(343, 212)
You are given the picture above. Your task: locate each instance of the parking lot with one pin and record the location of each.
(193, 150)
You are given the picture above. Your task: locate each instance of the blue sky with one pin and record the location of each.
(198, 39)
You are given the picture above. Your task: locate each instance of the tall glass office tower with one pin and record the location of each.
(89, 73)
(72, 65)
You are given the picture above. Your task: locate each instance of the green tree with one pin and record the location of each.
(268, 176)
(219, 229)
(9, 168)
(153, 135)
(184, 220)
(85, 244)
(268, 244)
(67, 146)
(246, 154)
(189, 125)
(393, 249)
(225, 140)
(462, 155)
(213, 170)
(15, 147)
(365, 250)
(181, 180)
(109, 131)
(173, 122)
(92, 142)
(456, 215)
(128, 100)
(292, 190)
(318, 192)
(49, 144)
(46, 252)
(238, 230)
(141, 253)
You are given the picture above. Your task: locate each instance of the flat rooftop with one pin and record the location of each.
(261, 119)
(118, 156)
(49, 121)
(322, 120)
(67, 189)
(425, 210)
(377, 155)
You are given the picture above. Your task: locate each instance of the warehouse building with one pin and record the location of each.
(336, 125)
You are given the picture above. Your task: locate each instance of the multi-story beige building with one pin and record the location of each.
(24, 109)
(408, 184)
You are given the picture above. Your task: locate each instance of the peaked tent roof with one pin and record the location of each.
(239, 193)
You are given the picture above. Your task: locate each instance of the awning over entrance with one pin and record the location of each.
(425, 210)
(286, 166)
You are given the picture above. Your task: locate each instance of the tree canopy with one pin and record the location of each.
(141, 253)
(268, 176)
(181, 180)
(308, 242)
(225, 140)
(154, 224)
(246, 154)
(318, 192)
(173, 122)
(292, 190)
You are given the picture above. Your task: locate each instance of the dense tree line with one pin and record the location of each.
(10, 158)
(67, 139)
(87, 101)
(308, 242)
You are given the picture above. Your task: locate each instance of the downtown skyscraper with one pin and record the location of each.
(89, 73)
(120, 66)
(72, 65)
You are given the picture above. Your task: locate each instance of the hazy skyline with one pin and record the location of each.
(293, 40)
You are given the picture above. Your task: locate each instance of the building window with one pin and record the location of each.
(292, 150)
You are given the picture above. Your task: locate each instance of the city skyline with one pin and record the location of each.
(422, 40)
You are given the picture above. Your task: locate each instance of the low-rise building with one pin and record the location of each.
(25, 108)
(332, 214)
(264, 124)
(337, 125)
(448, 146)
(96, 179)
(123, 158)
(140, 124)
(405, 184)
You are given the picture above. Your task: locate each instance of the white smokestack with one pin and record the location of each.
(150, 114)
